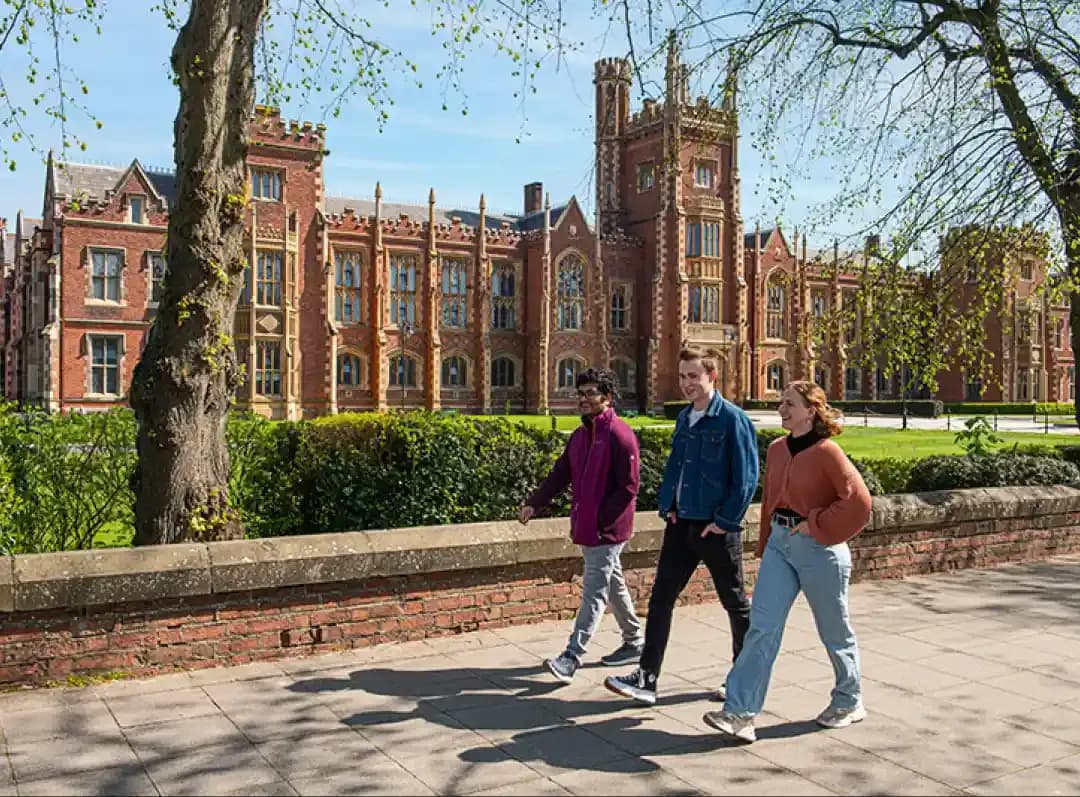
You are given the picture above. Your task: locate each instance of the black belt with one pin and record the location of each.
(787, 519)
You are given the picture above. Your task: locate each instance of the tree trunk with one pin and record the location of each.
(185, 380)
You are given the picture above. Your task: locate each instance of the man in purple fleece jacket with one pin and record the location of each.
(600, 465)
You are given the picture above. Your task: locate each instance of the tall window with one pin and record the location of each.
(348, 294)
(774, 377)
(157, 276)
(973, 388)
(821, 377)
(455, 305)
(502, 372)
(402, 371)
(136, 209)
(349, 370)
(268, 278)
(403, 289)
(850, 313)
(620, 307)
(455, 372)
(567, 372)
(703, 239)
(503, 313)
(1037, 328)
(1070, 388)
(1023, 384)
(268, 368)
(105, 275)
(703, 175)
(266, 184)
(704, 304)
(625, 373)
(646, 176)
(570, 292)
(1026, 270)
(851, 380)
(105, 365)
(1059, 333)
(881, 382)
(819, 303)
(776, 309)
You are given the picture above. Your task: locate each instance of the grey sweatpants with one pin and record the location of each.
(601, 584)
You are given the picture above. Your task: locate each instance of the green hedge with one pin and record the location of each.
(920, 408)
(1010, 408)
(995, 470)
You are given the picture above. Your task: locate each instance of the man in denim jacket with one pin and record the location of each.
(709, 480)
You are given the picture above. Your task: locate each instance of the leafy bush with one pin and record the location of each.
(64, 479)
(892, 474)
(995, 470)
(1009, 407)
(976, 438)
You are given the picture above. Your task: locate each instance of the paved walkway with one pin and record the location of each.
(972, 683)
(1011, 423)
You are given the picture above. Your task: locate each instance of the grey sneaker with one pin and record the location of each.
(563, 666)
(640, 685)
(742, 728)
(841, 717)
(629, 653)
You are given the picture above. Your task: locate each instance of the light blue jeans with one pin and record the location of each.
(603, 585)
(794, 562)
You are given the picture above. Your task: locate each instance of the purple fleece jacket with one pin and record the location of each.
(600, 465)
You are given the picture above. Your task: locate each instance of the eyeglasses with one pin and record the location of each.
(592, 392)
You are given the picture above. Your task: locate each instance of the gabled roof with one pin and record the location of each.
(96, 182)
(763, 238)
(7, 255)
(535, 220)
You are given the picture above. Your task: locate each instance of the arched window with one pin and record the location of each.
(626, 374)
(776, 308)
(620, 304)
(775, 376)
(348, 307)
(503, 372)
(503, 296)
(402, 371)
(567, 373)
(350, 370)
(455, 303)
(570, 293)
(455, 372)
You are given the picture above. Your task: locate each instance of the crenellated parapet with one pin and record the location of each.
(267, 127)
(404, 226)
(618, 238)
(612, 69)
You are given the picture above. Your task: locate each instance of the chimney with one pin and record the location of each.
(534, 198)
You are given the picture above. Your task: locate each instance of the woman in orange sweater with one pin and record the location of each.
(814, 501)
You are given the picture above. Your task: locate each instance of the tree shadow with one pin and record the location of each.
(529, 720)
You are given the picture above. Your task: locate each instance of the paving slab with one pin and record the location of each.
(971, 679)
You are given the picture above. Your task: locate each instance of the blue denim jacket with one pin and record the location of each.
(718, 460)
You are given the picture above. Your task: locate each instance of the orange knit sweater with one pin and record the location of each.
(820, 484)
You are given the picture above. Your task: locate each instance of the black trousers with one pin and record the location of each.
(682, 551)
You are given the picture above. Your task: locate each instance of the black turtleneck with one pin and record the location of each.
(802, 442)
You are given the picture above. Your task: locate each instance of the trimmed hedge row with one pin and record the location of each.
(64, 479)
(1010, 407)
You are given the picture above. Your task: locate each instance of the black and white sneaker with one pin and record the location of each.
(640, 685)
(629, 653)
(563, 667)
(719, 695)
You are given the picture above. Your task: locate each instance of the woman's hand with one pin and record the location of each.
(802, 528)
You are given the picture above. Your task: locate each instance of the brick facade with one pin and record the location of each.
(668, 263)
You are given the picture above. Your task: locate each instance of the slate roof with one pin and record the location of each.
(74, 179)
(393, 210)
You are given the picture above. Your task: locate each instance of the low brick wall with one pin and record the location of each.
(192, 606)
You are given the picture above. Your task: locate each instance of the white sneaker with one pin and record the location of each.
(841, 717)
(742, 728)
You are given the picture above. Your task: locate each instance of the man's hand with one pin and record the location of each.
(712, 528)
(525, 514)
(672, 518)
(802, 528)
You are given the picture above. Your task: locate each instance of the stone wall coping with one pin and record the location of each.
(34, 582)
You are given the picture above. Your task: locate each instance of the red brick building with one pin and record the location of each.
(356, 304)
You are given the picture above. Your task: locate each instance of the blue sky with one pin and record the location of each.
(421, 146)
